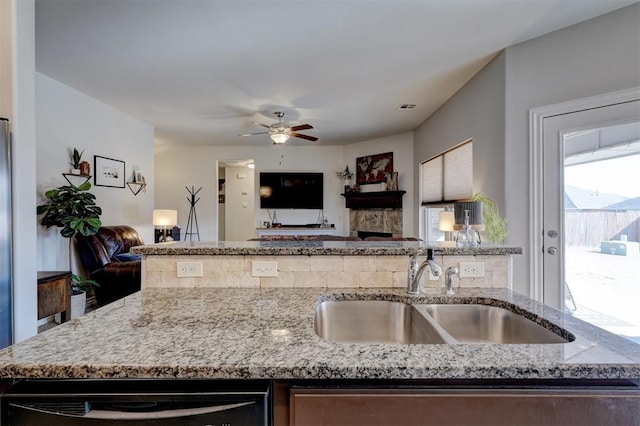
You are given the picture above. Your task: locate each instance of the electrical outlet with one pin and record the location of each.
(189, 269)
(264, 268)
(471, 269)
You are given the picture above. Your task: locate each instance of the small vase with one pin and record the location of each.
(74, 171)
(85, 168)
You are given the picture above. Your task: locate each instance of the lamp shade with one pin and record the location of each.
(165, 217)
(475, 212)
(279, 138)
(446, 221)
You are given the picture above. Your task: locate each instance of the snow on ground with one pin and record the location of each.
(606, 289)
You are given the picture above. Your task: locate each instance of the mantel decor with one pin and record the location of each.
(374, 200)
(108, 172)
(374, 168)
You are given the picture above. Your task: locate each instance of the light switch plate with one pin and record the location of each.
(264, 268)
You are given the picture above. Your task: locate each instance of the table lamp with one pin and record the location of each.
(165, 219)
(446, 219)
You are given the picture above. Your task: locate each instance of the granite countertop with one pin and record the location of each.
(308, 248)
(268, 333)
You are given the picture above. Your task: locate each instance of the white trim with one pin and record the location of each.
(536, 144)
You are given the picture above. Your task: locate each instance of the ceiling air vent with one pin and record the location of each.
(406, 106)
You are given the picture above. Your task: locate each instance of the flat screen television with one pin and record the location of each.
(290, 190)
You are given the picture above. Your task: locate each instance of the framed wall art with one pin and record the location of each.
(374, 168)
(108, 172)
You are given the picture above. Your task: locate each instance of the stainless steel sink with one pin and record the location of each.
(377, 321)
(489, 324)
(373, 321)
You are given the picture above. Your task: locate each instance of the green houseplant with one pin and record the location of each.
(80, 284)
(72, 209)
(76, 159)
(495, 225)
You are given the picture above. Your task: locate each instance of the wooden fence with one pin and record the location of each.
(588, 228)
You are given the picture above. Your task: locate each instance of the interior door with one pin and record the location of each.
(555, 130)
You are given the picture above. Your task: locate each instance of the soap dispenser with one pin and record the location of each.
(467, 236)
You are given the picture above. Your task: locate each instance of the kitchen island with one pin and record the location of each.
(268, 334)
(229, 327)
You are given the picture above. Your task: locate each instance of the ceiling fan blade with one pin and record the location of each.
(301, 127)
(260, 124)
(301, 136)
(251, 134)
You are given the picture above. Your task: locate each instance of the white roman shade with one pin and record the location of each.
(449, 175)
(432, 180)
(458, 172)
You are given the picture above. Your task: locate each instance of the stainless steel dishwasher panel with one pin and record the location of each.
(136, 402)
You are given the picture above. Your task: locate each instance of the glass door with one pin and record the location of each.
(602, 228)
(592, 216)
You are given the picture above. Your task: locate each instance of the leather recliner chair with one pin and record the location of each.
(106, 257)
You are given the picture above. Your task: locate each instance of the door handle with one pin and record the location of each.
(552, 250)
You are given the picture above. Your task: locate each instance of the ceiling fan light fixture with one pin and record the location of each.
(279, 138)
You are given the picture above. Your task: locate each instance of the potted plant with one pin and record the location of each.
(76, 159)
(73, 210)
(79, 288)
(346, 176)
(495, 225)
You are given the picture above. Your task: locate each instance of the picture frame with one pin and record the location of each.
(108, 172)
(374, 168)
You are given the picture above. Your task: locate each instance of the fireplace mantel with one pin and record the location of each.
(374, 200)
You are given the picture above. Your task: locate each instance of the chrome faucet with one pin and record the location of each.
(448, 280)
(415, 272)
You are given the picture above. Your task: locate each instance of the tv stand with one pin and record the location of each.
(295, 230)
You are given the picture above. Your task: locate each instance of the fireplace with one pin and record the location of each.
(365, 234)
(378, 222)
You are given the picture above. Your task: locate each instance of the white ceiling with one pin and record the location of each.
(200, 71)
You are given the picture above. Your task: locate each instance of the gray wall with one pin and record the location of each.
(475, 111)
(594, 57)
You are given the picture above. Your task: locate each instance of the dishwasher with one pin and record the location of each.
(136, 402)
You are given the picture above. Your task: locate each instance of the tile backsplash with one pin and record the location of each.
(318, 271)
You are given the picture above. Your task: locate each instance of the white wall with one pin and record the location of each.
(17, 88)
(177, 167)
(66, 119)
(404, 163)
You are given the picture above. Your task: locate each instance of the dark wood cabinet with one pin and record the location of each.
(455, 405)
(374, 200)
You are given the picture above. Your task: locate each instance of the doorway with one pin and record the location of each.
(602, 228)
(589, 173)
(236, 200)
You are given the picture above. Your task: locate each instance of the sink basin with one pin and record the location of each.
(488, 324)
(373, 321)
(378, 321)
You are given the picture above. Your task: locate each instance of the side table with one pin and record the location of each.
(54, 294)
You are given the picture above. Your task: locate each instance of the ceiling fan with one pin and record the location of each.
(280, 132)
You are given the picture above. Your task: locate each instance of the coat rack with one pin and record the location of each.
(193, 218)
